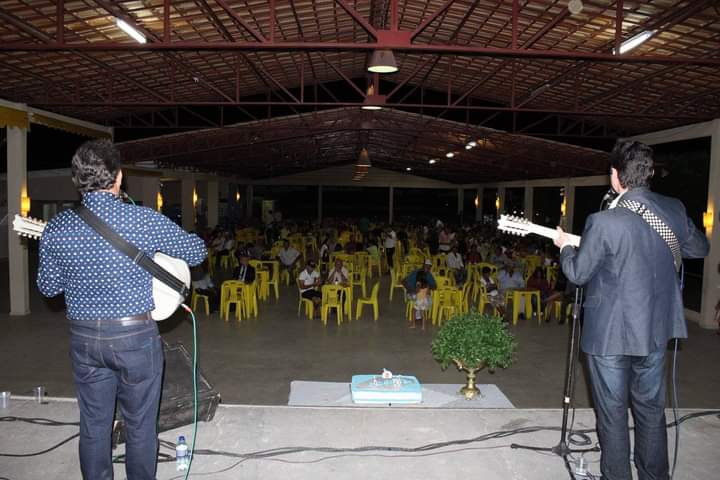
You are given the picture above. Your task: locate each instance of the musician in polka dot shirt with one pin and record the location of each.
(115, 348)
(98, 281)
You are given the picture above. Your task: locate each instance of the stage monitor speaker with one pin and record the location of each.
(176, 400)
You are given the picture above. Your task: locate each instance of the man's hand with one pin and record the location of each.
(562, 238)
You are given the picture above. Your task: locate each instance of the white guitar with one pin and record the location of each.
(522, 226)
(165, 298)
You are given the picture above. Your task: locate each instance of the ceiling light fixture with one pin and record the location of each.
(472, 143)
(130, 30)
(634, 42)
(468, 147)
(408, 169)
(373, 101)
(432, 161)
(382, 61)
(575, 6)
(450, 155)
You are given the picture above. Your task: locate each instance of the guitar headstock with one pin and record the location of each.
(514, 225)
(28, 227)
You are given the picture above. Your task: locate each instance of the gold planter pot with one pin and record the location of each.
(469, 390)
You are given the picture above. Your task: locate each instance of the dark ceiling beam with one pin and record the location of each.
(237, 18)
(546, 28)
(358, 18)
(433, 16)
(459, 50)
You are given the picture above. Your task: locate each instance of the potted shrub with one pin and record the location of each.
(473, 341)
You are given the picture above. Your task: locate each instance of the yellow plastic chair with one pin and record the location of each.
(449, 303)
(520, 295)
(443, 281)
(557, 305)
(231, 293)
(465, 298)
(194, 300)
(331, 299)
(395, 281)
(357, 278)
(485, 300)
(250, 298)
(371, 300)
(551, 274)
(274, 280)
(308, 304)
(224, 262)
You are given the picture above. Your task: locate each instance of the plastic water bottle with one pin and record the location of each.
(182, 459)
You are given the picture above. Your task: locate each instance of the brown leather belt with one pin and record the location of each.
(140, 319)
(133, 320)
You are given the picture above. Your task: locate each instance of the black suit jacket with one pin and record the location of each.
(248, 277)
(633, 303)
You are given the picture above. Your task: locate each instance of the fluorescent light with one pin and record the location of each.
(371, 107)
(408, 169)
(468, 147)
(472, 144)
(450, 155)
(130, 30)
(432, 161)
(635, 41)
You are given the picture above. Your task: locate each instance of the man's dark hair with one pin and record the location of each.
(95, 166)
(633, 162)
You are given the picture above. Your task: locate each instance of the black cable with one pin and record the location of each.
(39, 421)
(42, 452)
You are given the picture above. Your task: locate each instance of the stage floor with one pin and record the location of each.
(242, 429)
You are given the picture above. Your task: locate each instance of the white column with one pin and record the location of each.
(17, 248)
(390, 204)
(501, 195)
(319, 204)
(213, 195)
(479, 207)
(528, 198)
(248, 201)
(186, 202)
(570, 207)
(711, 276)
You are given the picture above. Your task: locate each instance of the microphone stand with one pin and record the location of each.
(562, 449)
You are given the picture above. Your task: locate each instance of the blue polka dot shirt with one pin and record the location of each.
(98, 281)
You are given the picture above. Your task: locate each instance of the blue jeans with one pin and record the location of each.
(619, 381)
(112, 362)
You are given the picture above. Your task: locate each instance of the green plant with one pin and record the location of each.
(474, 340)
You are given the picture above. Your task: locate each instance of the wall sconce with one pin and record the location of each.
(477, 201)
(563, 206)
(497, 203)
(195, 198)
(708, 218)
(237, 196)
(159, 201)
(24, 205)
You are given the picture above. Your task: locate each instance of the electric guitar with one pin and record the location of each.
(522, 226)
(165, 298)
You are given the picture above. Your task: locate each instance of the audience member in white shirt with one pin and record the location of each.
(288, 256)
(338, 275)
(455, 262)
(309, 281)
(390, 240)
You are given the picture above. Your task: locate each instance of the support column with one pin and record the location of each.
(248, 201)
(479, 206)
(501, 196)
(150, 190)
(529, 204)
(711, 276)
(319, 204)
(213, 199)
(186, 202)
(569, 208)
(390, 204)
(17, 248)
(460, 203)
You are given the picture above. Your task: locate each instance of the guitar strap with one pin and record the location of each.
(659, 226)
(139, 257)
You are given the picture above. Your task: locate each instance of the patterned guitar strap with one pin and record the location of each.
(658, 225)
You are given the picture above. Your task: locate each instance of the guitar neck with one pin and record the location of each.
(552, 233)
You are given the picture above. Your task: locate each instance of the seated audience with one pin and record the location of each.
(309, 281)
(547, 296)
(338, 275)
(244, 272)
(203, 284)
(492, 291)
(510, 278)
(456, 264)
(288, 256)
(410, 283)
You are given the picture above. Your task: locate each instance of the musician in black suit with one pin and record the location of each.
(633, 307)
(245, 272)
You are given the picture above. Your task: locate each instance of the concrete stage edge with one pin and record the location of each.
(246, 429)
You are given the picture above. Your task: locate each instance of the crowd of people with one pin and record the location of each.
(463, 247)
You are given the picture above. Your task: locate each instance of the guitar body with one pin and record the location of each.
(166, 299)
